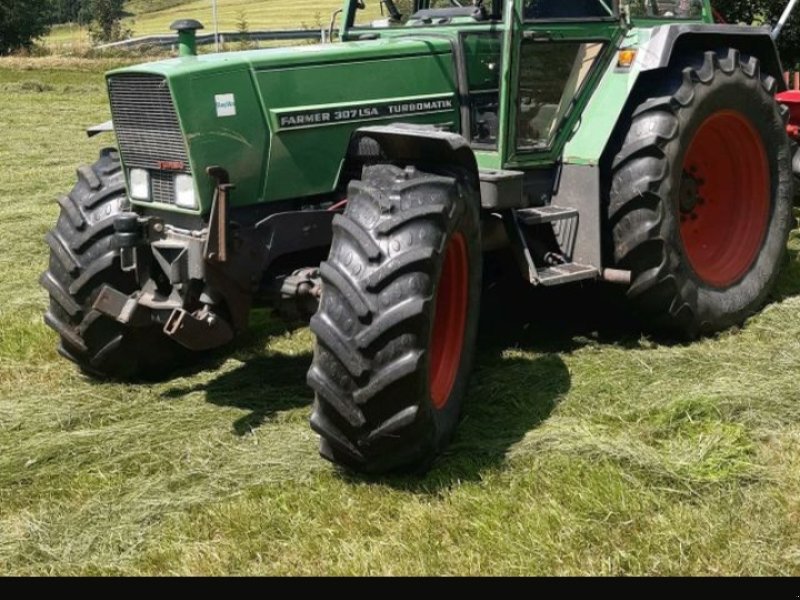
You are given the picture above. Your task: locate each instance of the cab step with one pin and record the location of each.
(566, 273)
(565, 226)
(545, 214)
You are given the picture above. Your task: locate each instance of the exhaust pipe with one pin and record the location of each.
(617, 276)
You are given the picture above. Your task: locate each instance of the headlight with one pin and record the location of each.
(140, 184)
(184, 192)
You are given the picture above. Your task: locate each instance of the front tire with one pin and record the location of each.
(701, 196)
(397, 320)
(82, 260)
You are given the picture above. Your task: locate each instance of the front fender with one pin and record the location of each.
(420, 144)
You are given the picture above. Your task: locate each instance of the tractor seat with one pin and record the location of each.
(536, 122)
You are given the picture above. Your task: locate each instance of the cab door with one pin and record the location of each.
(558, 50)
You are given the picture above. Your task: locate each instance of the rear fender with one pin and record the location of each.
(658, 49)
(671, 41)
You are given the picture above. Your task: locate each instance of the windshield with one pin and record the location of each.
(567, 9)
(667, 9)
(398, 13)
(594, 9)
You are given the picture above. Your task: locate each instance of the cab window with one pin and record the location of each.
(534, 10)
(398, 13)
(552, 76)
(667, 9)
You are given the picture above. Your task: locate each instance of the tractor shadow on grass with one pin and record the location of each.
(508, 398)
(563, 319)
(264, 386)
(520, 376)
(265, 383)
(512, 395)
(788, 284)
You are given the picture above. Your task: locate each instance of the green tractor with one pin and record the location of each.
(359, 184)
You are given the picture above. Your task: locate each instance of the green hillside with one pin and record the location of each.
(154, 16)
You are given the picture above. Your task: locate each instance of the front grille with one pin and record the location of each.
(162, 187)
(146, 123)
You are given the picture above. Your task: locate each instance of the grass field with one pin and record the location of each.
(150, 17)
(586, 448)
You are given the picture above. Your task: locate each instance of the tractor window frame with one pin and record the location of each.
(601, 59)
(652, 17)
(613, 4)
(469, 111)
(495, 16)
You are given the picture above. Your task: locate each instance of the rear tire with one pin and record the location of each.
(82, 260)
(701, 196)
(397, 320)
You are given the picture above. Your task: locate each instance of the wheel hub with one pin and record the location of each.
(689, 194)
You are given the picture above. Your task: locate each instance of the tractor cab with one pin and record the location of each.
(528, 74)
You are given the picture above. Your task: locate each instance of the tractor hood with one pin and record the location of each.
(279, 120)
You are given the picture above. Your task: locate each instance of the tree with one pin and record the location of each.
(243, 29)
(106, 21)
(22, 22)
(760, 12)
(68, 11)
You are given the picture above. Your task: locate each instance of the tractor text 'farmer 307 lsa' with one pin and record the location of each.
(359, 182)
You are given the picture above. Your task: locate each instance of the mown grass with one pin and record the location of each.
(586, 448)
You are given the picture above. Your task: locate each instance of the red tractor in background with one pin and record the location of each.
(790, 98)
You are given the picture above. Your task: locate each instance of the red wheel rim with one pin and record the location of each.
(724, 198)
(449, 321)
